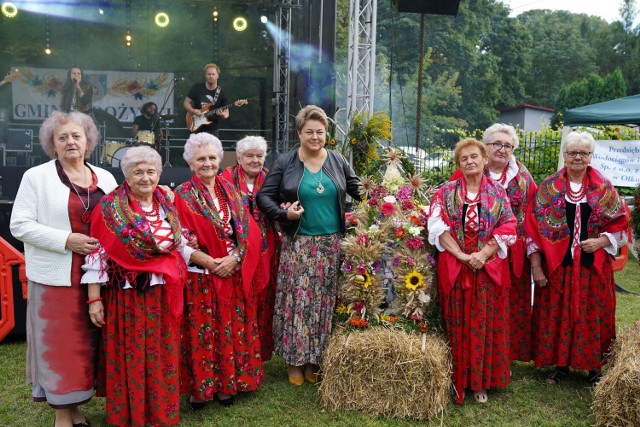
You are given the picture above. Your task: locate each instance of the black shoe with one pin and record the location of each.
(82, 424)
(196, 406)
(229, 401)
(594, 377)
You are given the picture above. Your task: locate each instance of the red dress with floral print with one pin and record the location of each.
(220, 343)
(475, 304)
(267, 270)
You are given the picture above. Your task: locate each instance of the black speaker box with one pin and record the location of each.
(437, 7)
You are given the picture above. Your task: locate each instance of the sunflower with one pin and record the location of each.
(332, 142)
(354, 141)
(364, 279)
(413, 280)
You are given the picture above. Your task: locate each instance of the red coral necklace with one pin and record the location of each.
(503, 177)
(577, 196)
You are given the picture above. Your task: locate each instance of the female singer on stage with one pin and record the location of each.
(51, 216)
(220, 345)
(248, 176)
(577, 222)
(135, 284)
(76, 94)
(471, 224)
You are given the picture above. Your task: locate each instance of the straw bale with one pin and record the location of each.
(616, 400)
(385, 371)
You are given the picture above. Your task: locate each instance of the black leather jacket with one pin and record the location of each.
(283, 181)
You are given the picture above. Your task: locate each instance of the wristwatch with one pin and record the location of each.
(237, 257)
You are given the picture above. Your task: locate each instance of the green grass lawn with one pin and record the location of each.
(526, 402)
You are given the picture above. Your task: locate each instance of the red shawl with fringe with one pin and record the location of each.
(124, 233)
(546, 220)
(268, 233)
(199, 215)
(495, 218)
(520, 190)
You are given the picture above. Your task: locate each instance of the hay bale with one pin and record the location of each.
(382, 371)
(616, 400)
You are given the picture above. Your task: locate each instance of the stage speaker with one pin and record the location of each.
(437, 7)
(19, 140)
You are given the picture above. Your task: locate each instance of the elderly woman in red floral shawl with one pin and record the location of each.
(501, 141)
(248, 176)
(471, 224)
(577, 223)
(220, 345)
(135, 294)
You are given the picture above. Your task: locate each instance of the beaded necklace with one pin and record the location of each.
(474, 200)
(577, 196)
(222, 201)
(503, 177)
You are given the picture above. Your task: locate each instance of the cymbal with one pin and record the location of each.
(168, 116)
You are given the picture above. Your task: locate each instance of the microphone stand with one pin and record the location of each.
(167, 136)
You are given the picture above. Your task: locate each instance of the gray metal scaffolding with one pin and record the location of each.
(361, 57)
(281, 74)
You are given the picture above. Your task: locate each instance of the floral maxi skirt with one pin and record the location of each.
(305, 297)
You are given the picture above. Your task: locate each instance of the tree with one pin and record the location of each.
(590, 90)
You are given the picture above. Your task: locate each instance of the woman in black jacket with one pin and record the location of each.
(306, 191)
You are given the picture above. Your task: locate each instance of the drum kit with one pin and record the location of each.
(113, 151)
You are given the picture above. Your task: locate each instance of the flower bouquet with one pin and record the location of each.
(388, 264)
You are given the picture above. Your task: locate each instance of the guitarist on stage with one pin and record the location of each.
(207, 96)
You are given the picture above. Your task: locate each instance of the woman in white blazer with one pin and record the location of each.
(51, 215)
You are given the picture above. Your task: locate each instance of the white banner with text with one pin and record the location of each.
(36, 92)
(619, 161)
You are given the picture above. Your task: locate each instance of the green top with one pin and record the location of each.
(321, 211)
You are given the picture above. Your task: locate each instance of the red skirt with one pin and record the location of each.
(265, 301)
(477, 324)
(580, 343)
(520, 314)
(220, 343)
(138, 369)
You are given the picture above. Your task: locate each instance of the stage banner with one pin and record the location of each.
(619, 161)
(36, 92)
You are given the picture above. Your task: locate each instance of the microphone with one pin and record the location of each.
(180, 79)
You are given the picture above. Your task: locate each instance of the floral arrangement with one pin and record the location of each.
(362, 139)
(386, 254)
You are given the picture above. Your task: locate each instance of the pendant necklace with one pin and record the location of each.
(86, 215)
(320, 187)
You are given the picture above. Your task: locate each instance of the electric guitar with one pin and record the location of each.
(11, 76)
(195, 122)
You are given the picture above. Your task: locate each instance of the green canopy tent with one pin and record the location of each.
(619, 111)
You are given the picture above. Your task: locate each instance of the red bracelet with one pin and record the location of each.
(92, 300)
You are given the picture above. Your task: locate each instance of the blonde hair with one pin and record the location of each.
(211, 65)
(468, 142)
(311, 112)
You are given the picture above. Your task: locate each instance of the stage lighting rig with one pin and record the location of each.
(240, 23)
(9, 9)
(162, 19)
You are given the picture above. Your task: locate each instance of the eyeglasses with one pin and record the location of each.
(498, 146)
(574, 154)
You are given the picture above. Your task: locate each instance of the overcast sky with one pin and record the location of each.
(606, 9)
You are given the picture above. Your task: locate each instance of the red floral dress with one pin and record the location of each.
(267, 270)
(574, 315)
(475, 305)
(141, 259)
(220, 344)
